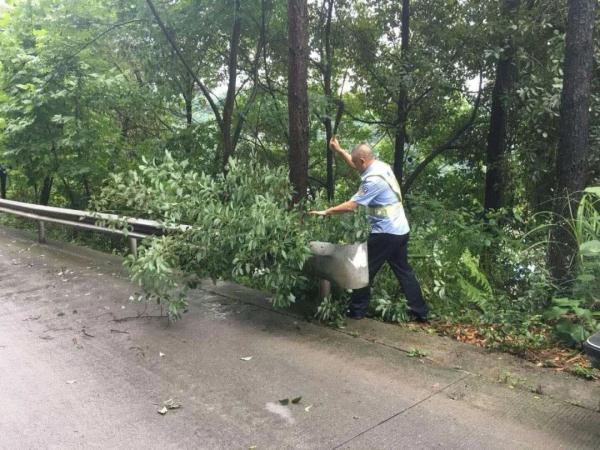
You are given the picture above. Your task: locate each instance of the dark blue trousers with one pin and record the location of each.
(393, 249)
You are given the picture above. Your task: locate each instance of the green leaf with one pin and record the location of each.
(590, 248)
(554, 313)
(565, 301)
(569, 332)
(593, 190)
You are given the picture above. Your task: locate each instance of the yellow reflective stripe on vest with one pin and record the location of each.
(385, 211)
(391, 181)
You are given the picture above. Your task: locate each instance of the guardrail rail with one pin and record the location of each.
(87, 220)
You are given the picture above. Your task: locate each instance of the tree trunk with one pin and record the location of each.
(46, 189)
(327, 69)
(188, 111)
(228, 141)
(496, 177)
(298, 96)
(3, 177)
(73, 199)
(402, 103)
(330, 185)
(571, 167)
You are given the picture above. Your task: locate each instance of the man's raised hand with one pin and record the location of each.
(334, 144)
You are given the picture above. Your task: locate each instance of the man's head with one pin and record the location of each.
(362, 157)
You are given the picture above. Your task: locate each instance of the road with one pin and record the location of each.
(79, 369)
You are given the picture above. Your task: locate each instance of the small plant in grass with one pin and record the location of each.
(573, 321)
(589, 373)
(416, 353)
(332, 310)
(391, 310)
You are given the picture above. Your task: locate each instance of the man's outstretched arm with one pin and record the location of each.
(342, 208)
(335, 146)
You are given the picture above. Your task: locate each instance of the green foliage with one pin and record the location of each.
(241, 228)
(332, 310)
(589, 373)
(472, 282)
(416, 353)
(516, 332)
(391, 310)
(577, 316)
(153, 269)
(573, 321)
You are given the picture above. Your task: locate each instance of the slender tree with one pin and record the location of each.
(325, 66)
(298, 96)
(402, 101)
(230, 129)
(571, 160)
(496, 176)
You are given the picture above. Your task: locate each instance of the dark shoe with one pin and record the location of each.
(354, 315)
(413, 317)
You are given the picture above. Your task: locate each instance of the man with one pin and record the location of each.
(388, 242)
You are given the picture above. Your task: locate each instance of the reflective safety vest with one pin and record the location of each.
(386, 174)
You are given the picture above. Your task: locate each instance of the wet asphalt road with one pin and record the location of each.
(79, 370)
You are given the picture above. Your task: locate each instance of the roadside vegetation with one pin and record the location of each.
(179, 112)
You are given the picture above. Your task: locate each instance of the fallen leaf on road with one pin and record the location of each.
(296, 400)
(308, 408)
(32, 318)
(284, 401)
(171, 404)
(246, 358)
(140, 351)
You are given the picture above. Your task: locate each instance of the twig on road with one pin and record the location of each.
(125, 319)
(85, 333)
(112, 330)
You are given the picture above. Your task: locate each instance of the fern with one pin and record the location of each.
(472, 282)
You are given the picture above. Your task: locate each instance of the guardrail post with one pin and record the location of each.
(324, 288)
(41, 232)
(132, 245)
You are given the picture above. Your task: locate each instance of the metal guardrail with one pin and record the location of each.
(86, 220)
